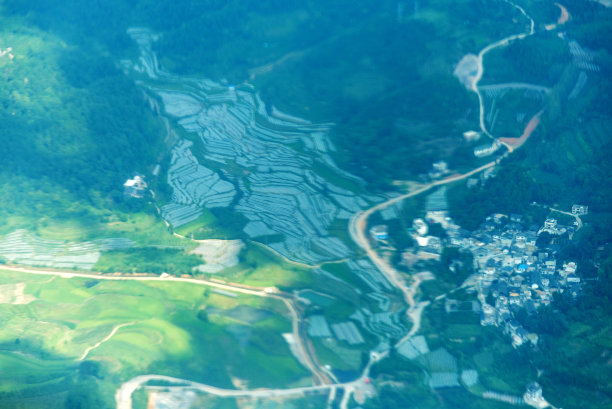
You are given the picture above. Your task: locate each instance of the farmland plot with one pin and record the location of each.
(252, 158)
(25, 248)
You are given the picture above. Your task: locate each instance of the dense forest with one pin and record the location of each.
(381, 71)
(73, 127)
(566, 161)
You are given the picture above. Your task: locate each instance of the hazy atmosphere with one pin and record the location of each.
(311, 204)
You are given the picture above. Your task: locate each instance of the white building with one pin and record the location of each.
(550, 223)
(570, 268)
(579, 210)
(379, 232)
(441, 166)
(135, 187)
(471, 136)
(487, 149)
(420, 227)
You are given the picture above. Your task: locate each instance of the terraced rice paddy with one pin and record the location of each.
(347, 331)
(248, 156)
(276, 170)
(23, 247)
(413, 347)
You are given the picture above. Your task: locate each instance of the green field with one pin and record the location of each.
(164, 332)
(74, 127)
(260, 267)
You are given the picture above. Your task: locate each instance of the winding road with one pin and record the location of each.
(123, 397)
(357, 230)
(358, 223)
(319, 374)
(501, 43)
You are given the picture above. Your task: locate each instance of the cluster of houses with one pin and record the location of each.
(513, 273)
(487, 149)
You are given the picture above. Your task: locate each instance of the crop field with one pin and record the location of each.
(259, 267)
(271, 168)
(329, 352)
(130, 328)
(471, 346)
(138, 243)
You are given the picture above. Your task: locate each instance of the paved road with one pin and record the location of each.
(319, 374)
(124, 394)
(501, 43)
(515, 85)
(63, 274)
(123, 397)
(564, 14)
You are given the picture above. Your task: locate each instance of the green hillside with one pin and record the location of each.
(74, 127)
(380, 70)
(566, 161)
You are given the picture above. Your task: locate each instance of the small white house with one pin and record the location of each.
(135, 187)
(379, 232)
(579, 210)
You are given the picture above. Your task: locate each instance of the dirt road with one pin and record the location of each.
(109, 336)
(501, 43)
(319, 374)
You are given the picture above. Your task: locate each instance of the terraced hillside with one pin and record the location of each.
(67, 340)
(22, 247)
(272, 168)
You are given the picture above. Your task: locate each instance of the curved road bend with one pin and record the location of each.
(123, 397)
(319, 375)
(480, 72)
(358, 223)
(357, 228)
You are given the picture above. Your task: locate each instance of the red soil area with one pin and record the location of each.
(564, 14)
(531, 126)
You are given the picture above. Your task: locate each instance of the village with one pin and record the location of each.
(513, 270)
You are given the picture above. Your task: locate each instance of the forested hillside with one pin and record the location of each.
(380, 70)
(73, 127)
